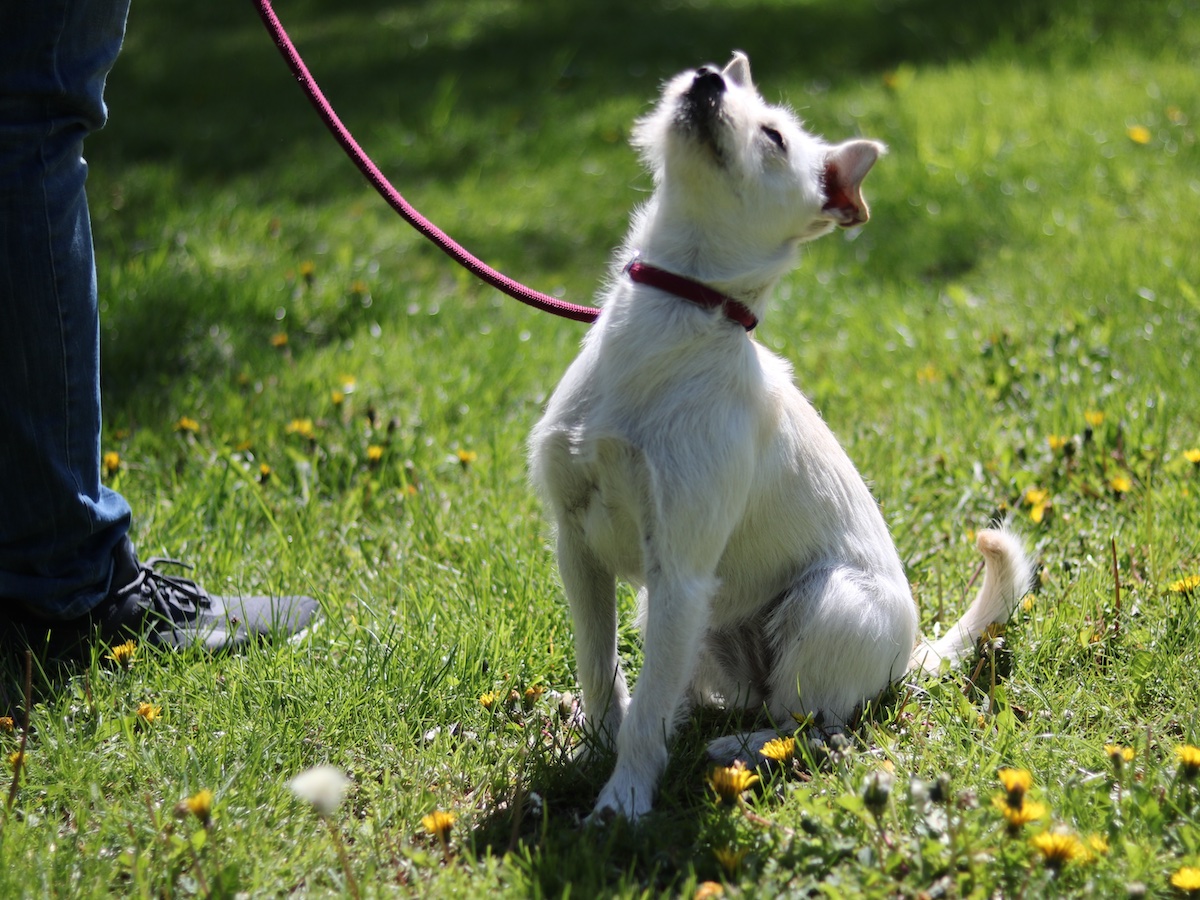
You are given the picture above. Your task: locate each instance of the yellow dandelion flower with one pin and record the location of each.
(1038, 500)
(1120, 484)
(1017, 783)
(730, 782)
(187, 424)
(1189, 760)
(1192, 456)
(1187, 879)
(1017, 816)
(16, 760)
(302, 427)
(729, 858)
(466, 457)
(438, 823)
(1057, 441)
(488, 699)
(123, 654)
(898, 79)
(779, 749)
(337, 398)
(1094, 418)
(112, 462)
(533, 694)
(1185, 585)
(1097, 844)
(706, 890)
(1118, 754)
(7, 725)
(264, 473)
(200, 805)
(927, 374)
(358, 287)
(374, 453)
(348, 383)
(1057, 848)
(1139, 134)
(279, 339)
(148, 712)
(308, 269)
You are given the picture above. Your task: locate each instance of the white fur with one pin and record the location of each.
(677, 453)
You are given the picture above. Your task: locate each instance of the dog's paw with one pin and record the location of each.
(745, 747)
(624, 796)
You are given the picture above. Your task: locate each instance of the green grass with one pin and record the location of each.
(1031, 258)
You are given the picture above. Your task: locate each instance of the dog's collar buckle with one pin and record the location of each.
(693, 291)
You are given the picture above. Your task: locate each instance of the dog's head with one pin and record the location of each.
(723, 159)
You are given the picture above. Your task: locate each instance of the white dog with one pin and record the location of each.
(676, 453)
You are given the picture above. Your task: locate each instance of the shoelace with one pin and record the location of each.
(164, 591)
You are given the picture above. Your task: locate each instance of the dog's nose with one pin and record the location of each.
(708, 80)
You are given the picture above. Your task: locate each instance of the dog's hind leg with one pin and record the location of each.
(840, 636)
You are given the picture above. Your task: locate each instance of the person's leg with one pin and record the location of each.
(68, 572)
(58, 524)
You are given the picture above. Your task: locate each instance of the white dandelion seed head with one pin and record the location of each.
(323, 786)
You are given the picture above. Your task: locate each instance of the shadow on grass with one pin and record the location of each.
(202, 84)
(438, 91)
(540, 827)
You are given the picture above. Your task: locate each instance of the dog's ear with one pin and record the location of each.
(845, 167)
(738, 70)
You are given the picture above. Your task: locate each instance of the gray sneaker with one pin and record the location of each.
(166, 610)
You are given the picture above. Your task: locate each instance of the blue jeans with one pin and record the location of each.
(58, 523)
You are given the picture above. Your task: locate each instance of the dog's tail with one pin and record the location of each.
(1006, 577)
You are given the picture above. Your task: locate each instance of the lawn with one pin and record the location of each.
(302, 396)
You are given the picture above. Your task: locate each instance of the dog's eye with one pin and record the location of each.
(775, 137)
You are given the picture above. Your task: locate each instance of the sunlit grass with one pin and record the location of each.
(299, 396)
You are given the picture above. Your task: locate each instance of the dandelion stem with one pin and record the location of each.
(518, 801)
(200, 874)
(1116, 587)
(992, 685)
(940, 595)
(971, 583)
(351, 882)
(763, 822)
(12, 790)
(970, 683)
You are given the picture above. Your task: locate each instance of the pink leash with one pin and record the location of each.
(371, 172)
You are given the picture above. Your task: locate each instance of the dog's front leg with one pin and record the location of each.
(591, 594)
(676, 617)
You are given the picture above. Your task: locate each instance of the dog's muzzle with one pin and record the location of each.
(700, 110)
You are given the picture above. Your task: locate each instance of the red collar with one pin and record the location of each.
(687, 289)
